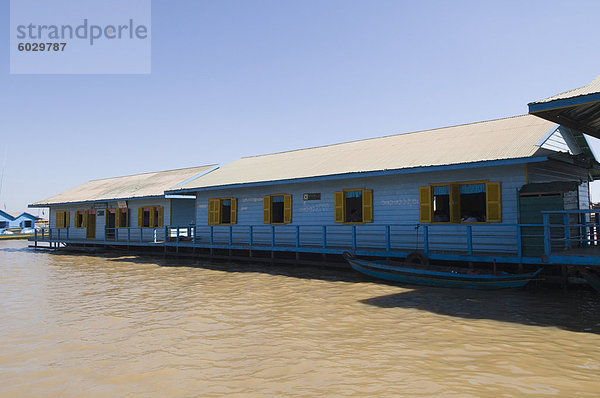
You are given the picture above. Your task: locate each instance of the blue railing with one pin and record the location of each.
(473, 242)
(578, 229)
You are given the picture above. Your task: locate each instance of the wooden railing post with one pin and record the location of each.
(426, 239)
(388, 241)
(519, 241)
(470, 240)
(547, 235)
(567, 231)
(272, 235)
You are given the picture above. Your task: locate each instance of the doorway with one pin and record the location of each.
(90, 232)
(111, 223)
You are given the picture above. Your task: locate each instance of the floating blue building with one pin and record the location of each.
(513, 190)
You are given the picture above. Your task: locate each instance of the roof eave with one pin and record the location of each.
(50, 204)
(375, 173)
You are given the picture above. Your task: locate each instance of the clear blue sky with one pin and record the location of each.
(239, 78)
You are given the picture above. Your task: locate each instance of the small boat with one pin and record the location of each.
(438, 276)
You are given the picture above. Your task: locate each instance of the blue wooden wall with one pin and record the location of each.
(395, 201)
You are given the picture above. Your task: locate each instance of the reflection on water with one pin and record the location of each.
(78, 325)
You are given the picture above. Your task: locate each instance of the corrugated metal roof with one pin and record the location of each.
(510, 138)
(133, 186)
(592, 88)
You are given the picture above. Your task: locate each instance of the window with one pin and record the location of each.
(27, 224)
(3, 224)
(122, 218)
(467, 202)
(277, 209)
(354, 206)
(62, 219)
(222, 211)
(150, 217)
(80, 219)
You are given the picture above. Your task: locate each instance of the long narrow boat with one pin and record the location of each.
(437, 276)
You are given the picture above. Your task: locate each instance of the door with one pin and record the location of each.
(111, 223)
(530, 208)
(90, 232)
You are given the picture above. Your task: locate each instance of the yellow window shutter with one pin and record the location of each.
(233, 211)
(84, 219)
(126, 218)
(338, 200)
(425, 204)
(140, 217)
(213, 206)
(59, 219)
(161, 218)
(210, 211)
(267, 210)
(287, 209)
(67, 219)
(455, 203)
(117, 217)
(493, 202)
(367, 207)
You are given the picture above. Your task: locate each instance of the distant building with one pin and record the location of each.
(6, 219)
(25, 220)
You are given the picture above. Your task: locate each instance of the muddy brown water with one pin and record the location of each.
(98, 326)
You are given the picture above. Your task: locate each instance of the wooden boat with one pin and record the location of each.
(438, 276)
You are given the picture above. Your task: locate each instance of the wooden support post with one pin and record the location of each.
(565, 277)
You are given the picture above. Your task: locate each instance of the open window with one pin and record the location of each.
(150, 216)
(62, 219)
(122, 216)
(354, 206)
(80, 218)
(466, 202)
(222, 211)
(277, 209)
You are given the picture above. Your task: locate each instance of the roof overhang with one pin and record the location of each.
(88, 202)
(581, 113)
(375, 173)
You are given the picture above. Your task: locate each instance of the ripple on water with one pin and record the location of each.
(139, 326)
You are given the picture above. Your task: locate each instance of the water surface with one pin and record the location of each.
(77, 325)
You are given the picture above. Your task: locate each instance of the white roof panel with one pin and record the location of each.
(509, 138)
(128, 187)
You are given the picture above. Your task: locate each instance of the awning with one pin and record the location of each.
(578, 109)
